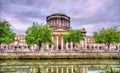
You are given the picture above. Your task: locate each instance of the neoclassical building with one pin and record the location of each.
(60, 24)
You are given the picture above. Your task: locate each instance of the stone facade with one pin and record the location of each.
(60, 24)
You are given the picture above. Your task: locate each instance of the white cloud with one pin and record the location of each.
(15, 23)
(77, 8)
(90, 14)
(93, 6)
(36, 20)
(90, 28)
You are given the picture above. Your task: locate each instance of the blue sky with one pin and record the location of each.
(90, 14)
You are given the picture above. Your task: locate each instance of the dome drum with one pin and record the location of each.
(58, 20)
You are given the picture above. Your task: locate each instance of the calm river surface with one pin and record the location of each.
(59, 66)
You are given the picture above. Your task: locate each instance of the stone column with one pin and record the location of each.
(57, 42)
(62, 70)
(71, 46)
(57, 69)
(93, 46)
(86, 70)
(72, 69)
(42, 47)
(62, 43)
(57, 22)
(50, 22)
(66, 46)
(67, 70)
(54, 22)
(47, 45)
(69, 23)
(53, 42)
(85, 43)
(52, 68)
(34, 70)
(60, 21)
(46, 70)
(65, 22)
(82, 44)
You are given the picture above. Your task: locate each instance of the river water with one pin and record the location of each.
(59, 66)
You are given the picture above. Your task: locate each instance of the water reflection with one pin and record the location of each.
(58, 66)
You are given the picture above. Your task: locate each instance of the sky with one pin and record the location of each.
(89, 14)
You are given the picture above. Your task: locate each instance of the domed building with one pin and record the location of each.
(60, 24)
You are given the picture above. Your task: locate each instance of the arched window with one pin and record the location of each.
(96, 47)
(73, 45)
(24, 46)
(4, 47)
(15, 47)
(19, 46)
(49, 46)
(29, 47)
(88, 47)
(92, 47)
(68, 45)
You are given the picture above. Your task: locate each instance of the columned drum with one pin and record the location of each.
(58, 20)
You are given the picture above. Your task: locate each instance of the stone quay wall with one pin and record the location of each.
(39, 55)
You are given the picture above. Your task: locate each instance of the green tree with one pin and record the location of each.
(107, 36)
(6, 34)
(74, 36)
(38, 34)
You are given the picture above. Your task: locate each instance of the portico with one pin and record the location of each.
(58, 42)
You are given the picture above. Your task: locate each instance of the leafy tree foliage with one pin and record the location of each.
(107, 36)
(6, 34)
(73, 36)
(38, 34)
